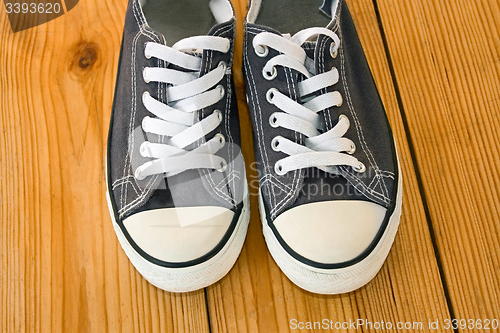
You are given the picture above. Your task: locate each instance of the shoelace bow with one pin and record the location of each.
(187, 93)
(322, 150)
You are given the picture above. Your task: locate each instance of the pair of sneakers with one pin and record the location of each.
(329, 179)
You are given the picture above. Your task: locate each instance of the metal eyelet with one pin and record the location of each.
(223, 65)
(144, 75)
(219, 114)
(263, 53)
(339, 95)
(333, 50)
(222, 139)
(270, 94)
(273, 120)
(137, 174)
(269, 75)
(360, 168)
(223, 166)
(221, 90)
(278, 168)
(143, 149)
(341, 101)
(144, 123)
(275, 143)
(144, 95)
(353, 148)
(344, 118)
(148, 56)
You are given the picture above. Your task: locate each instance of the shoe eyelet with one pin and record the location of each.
(278, 168)
(144, 74)
(269, 75)
(222, 139)
(360, 168)
(223, 166)
(273, 120)
(144, 123)
(143, 149)
(223, 65)
(263, 53)
(270, 95)
(148, 56)
(219, 114)
(339, 95)
(144, 96)
(137, 174)
(275, 143)
(344, 118)
(222, 91)
(333, 50)
(353, 148)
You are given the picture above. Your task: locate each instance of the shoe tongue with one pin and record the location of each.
(319, 54)
(315, 50)
(310, 48)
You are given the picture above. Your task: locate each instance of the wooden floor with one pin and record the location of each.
(437, 66)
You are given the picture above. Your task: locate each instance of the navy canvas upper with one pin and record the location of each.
(369, 128)
(192, 187)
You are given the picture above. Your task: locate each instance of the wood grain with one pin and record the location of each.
(62, 269)
(256, 296)
(448, 70)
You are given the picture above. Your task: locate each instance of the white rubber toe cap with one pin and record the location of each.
(331, 231)
(179, 234)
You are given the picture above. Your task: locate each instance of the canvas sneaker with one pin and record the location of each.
(176, 183)
(329, 178)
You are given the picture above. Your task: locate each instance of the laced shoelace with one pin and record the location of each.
(187, 93)
(324, 151)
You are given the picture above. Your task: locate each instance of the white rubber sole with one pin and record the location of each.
(193, 277)
(334, 281)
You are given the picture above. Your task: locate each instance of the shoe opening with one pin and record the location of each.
(291, 16)
(180, 19)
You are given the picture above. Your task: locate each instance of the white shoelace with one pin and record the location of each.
(322, 150)
(187, 93)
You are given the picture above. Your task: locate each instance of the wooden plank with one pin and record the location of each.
(256, 296)
(62, 268)
(446, 57)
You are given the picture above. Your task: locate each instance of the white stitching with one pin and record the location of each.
(295, 180)
(290, 194)
(207, 174)
(258, 127)
(127, 166)
(359, 130)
